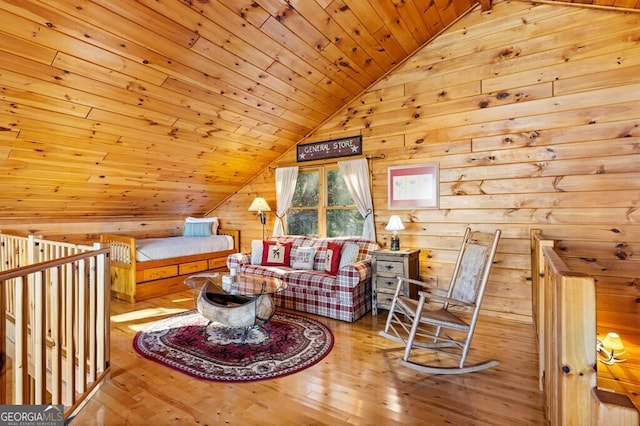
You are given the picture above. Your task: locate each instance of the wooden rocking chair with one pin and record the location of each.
(430, 322)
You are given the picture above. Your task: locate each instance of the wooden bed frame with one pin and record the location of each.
(135, 281)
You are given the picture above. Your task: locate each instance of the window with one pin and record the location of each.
(322, 205)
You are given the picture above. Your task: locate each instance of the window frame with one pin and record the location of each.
(323, 198)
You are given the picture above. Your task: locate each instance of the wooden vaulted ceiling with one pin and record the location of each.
(166, 107)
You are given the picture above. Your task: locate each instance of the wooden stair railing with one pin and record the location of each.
(564, 312)
(54, 323)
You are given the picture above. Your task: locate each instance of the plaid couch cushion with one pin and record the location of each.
(294, 277)
(311, 280)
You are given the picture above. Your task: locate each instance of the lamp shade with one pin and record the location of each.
(613, 342)
(259, 205)
(395, 223)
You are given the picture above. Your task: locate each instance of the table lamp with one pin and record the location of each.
(395, 225)
(260, 205)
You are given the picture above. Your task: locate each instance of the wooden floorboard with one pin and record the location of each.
(358, 383)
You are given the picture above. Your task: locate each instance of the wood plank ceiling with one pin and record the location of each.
(166, 107)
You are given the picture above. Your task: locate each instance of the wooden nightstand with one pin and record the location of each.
(387, 265)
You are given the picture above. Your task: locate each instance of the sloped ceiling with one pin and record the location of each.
(166, 107)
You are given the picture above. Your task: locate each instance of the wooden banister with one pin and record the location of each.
(54, 322)
(564, 309)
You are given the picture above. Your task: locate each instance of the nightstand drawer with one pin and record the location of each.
(386, 284)
(384, 300)
(389, 268)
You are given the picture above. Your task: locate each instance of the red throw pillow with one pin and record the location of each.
(332, 261)
(275, 254)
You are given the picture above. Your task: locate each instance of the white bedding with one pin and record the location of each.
(165, 248)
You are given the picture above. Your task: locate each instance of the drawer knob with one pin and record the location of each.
(389, 267)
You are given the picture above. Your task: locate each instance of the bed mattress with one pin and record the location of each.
(166, 248)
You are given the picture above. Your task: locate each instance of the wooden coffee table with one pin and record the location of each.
(246, 302)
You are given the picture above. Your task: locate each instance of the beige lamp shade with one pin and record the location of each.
(395, 224)
(613, 343)
(259, 205)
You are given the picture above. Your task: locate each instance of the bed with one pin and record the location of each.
(143, 269)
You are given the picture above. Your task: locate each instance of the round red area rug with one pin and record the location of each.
(187, 343)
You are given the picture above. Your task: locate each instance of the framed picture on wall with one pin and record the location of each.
(413, 187)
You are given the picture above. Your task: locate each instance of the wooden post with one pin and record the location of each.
(538, 285)
(39, 337)
(577, 345)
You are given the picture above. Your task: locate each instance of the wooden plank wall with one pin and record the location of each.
(533, 114)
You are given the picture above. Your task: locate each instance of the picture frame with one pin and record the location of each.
(413, 187)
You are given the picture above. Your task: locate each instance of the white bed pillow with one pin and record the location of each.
(201, 219)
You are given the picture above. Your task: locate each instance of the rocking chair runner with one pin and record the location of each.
(420, 325)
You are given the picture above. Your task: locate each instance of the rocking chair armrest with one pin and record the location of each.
(431, 296)
(430, 284)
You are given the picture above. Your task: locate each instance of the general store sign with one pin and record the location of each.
(330, 149)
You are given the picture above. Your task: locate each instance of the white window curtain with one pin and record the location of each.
(356, 176)
(285, 186)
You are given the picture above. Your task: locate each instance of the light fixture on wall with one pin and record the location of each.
(395, 225)
(610, 349)
(260, 205)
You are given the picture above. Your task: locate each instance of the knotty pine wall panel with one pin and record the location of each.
(88, 231)
(534, 119)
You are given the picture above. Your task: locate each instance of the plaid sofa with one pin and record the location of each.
(345, 296)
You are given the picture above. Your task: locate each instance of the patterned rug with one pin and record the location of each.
(285, 345)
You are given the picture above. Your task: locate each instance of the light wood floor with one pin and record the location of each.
(358, 383)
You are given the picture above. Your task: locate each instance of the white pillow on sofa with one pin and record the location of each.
(303, 258)
(256, 252)
(349, 254)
